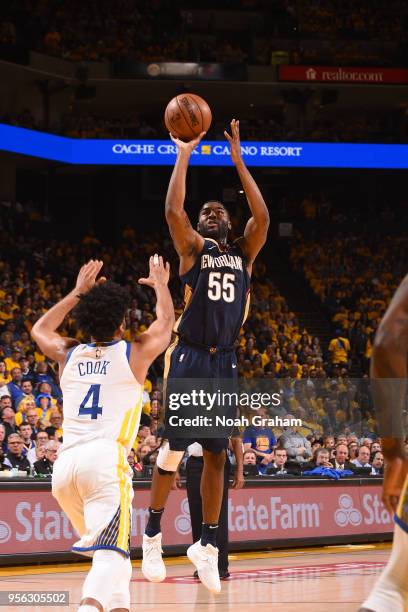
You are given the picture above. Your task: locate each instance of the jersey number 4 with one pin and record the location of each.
(92, 398)
(221, 286)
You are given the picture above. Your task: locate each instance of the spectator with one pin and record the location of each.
(367, 442)
(135, 467)
(27, 389)
(43, 403)
(8, 418)
(40, 439)
(3, 442)
(142, 434)
(375, 447)
(152, 442)
(5, 378)
(320, 459)
(14, 386)
(249, 457)
(23, 407)
(26, 372)
(353, 450)
(26, 432)
(5, 402)
(14, 457)
(339, 349)
(36, 454)
(377, 463)
(56, 421)
(298, 448)
(142, 451)
(328, 442)
(42, 375)
(52, 433)
(260, 439)
(34, 420)
(155, 409)
(341, 458)
(45, 465)
(315, 445)
(13, 361)
(281, 465)
(363, 458)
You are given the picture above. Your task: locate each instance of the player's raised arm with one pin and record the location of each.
(187, 241)
(389, 371)
(257, 227)
(44, 331)
(157, 337)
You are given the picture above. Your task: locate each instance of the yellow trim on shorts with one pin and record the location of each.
(126, 435)
(188, 294)
(122, 540)
(247, 303)
(167, 361)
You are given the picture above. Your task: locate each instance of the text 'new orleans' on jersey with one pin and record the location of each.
(216, 294)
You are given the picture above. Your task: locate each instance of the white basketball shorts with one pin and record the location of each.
(92, 483)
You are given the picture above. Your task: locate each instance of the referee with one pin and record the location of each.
(194, 469)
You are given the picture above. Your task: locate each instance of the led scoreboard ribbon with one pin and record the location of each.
(208, 153)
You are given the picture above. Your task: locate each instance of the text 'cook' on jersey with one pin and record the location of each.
(93, 367)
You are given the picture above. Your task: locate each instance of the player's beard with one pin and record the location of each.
(219, 232)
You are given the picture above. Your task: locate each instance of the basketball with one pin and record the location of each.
(187, 115)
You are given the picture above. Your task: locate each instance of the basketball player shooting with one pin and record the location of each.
(389, 374)
(216, 304)
(102, 384)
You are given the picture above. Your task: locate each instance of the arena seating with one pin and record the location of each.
(272, 350)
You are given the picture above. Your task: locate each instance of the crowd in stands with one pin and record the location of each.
(161, 30)
(273, 350)
(354, 274)
(354, 19)
(332, 457)
(354, 126)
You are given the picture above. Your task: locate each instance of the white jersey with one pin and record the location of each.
(102, 398)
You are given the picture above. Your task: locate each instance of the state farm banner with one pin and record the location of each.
(340, 74)
(32, 522)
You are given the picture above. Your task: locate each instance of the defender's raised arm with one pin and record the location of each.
(157, 337)
(44, 331)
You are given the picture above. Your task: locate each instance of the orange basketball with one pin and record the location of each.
(187, 115)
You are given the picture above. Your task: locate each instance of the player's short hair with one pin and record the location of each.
(101, 311)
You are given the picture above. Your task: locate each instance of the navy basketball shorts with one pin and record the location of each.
(190, 363)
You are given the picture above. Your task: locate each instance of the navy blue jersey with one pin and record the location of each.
(216, 293)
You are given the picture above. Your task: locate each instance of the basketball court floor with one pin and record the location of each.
(328, 579)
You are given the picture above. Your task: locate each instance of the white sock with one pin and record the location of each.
(390, 592)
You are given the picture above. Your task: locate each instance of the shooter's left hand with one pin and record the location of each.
(234, 142)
